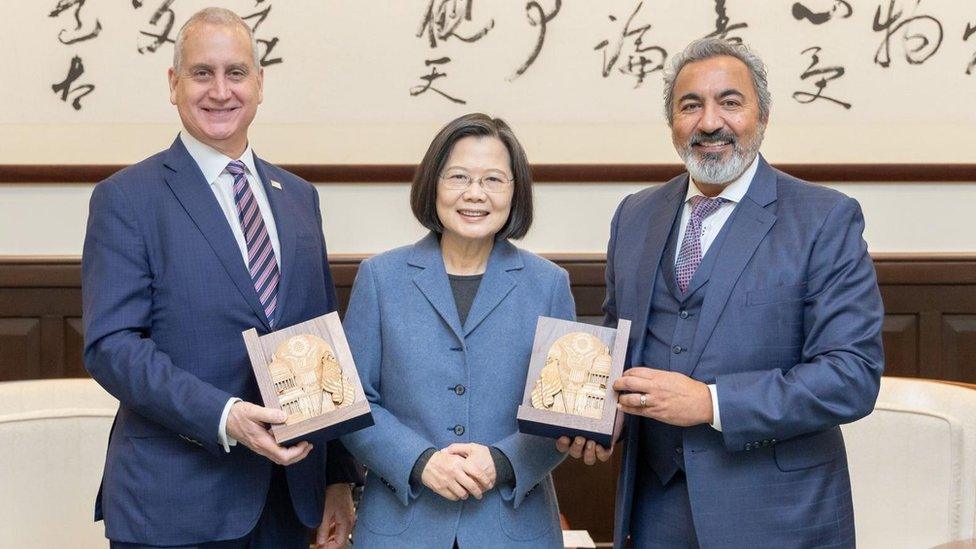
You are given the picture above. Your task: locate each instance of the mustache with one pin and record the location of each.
(718, 135)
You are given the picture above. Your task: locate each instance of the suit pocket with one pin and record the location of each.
(809, 451)
(777, 294)
(381, 512)
(533, 518)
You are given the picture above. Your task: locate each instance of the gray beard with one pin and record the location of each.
(710, 169)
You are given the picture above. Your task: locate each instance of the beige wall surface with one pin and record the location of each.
(342, 92)
(342, 95)
(905, 217)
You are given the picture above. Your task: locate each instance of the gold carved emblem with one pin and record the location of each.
(574, 379)
(308, 379)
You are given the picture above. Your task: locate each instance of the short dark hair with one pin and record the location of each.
(423, 192)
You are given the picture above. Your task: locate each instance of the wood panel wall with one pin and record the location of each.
(929, 331)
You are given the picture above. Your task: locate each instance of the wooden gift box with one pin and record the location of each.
(281, 386)
(585, 390)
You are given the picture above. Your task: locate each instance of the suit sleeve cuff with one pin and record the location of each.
(716, 418)
(225, 440)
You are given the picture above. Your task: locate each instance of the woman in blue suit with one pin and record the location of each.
(441, 332)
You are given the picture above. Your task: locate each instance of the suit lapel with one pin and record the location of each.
(432, 281)
(497, 283)
(194, 194)
(749, 225)
(280, 200)
(660, 218)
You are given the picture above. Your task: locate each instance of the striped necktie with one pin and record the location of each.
(261, 261)
(690, 256)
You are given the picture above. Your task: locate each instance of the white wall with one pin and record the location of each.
(904, 217)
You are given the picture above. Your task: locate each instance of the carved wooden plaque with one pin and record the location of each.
(307, 371)
(574, 379)
(569, 389)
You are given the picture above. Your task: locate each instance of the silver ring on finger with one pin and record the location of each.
(643, 400)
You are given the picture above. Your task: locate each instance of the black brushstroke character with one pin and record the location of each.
(823, 75)
(75, 70)
(157, 39)
(919, 45)
(442, 19)
(643, 61)
(79, 35)
(722, 26)
(266, 45)
(537, 18)
(970, 29)
(801, 12)
(430, 78)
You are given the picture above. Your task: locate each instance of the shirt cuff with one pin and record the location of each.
(504, 473)
(225, 440)
(716, 418)
(417, 473)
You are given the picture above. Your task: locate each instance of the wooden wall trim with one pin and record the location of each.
(545, 173)
(585, 269)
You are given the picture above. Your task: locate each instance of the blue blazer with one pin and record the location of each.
(166, 296)
(790, 332)
(412, 354)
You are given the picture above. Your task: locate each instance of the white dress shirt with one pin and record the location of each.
(711, 226)
(213, 165)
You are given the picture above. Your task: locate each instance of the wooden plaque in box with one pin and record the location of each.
(308, 371)
(569, 388)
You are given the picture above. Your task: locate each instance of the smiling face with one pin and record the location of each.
(218, 88)
(473, 214)
(717, 128)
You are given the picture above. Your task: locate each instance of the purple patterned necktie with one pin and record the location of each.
(690, 256)
(261, 261)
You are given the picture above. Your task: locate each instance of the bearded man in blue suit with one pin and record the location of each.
(756, 331)
(184, 251)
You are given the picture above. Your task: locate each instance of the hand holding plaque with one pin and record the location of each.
(307, 371)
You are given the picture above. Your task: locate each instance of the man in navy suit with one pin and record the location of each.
(756, 331)
(184, 251)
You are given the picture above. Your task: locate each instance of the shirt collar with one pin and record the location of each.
(734, 191)
(211, 161)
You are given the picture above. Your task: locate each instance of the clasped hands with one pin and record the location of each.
(459, 471)
(668, 397)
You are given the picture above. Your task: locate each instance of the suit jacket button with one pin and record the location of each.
(772, 441)
(679, 450)
(459, 430)
(683, 314)
(459, 389)
(748, 446)
(676, 349)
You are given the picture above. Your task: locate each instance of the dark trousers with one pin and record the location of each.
(661, 515)
(277, 527)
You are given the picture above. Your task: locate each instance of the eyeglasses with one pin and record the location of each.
(493, 182)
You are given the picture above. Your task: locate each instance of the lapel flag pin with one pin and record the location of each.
(275, 184)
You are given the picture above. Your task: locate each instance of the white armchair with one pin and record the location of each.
(913, 465)
(53, 437)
